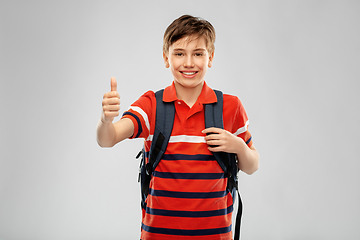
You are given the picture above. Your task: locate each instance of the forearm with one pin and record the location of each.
(248, 158)
(109, 134)
(105, 134)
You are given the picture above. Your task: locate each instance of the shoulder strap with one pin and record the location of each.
(214, 118)
(165, 114)
(162, 133)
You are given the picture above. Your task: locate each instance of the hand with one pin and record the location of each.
(220, 140)
(111, 103)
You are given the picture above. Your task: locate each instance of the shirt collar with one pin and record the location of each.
(206, 96)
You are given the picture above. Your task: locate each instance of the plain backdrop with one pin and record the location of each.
(293, 63)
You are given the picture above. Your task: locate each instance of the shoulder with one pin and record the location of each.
(234, 114)
(233, 108)
(149, 94)
(231, 101)
(230, 97)
(146, 100)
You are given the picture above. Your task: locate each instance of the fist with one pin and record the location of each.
(111, 103)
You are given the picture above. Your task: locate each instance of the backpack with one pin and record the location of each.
(165, 114)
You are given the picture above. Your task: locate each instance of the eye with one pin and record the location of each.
(198, 54)
(179, 54)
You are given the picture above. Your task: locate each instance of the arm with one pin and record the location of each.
(108, 133)
(248, 157)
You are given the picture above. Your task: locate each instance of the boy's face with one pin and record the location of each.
(188, 60)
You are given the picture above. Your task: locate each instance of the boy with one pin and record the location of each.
(187, 197)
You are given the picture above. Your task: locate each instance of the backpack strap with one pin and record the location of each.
(227, 161)
(165, 114)
(214, 118)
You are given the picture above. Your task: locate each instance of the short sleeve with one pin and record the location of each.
(235, 118)
(141, 113)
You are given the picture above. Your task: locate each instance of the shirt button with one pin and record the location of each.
(179, 102)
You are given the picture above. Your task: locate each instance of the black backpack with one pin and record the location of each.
(165, 114)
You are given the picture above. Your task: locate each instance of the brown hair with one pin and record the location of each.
(187, 25)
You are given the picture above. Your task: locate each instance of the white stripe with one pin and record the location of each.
(182, 138)
(197, 139)
(242, 129)
(143, 114)
(187, 139)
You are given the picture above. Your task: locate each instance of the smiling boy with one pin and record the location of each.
(188, 198)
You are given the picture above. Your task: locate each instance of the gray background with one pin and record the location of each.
(294, 64)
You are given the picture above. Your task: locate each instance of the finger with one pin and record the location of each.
(215, 149)
(111, 101)
(213, 142)
(111, 107)
(211, 136)
(111, 95)
(113, 84)
(212, 130)
(109, 116)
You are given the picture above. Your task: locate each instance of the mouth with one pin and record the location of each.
(189, 74)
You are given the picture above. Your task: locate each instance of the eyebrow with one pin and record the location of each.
(195, 50)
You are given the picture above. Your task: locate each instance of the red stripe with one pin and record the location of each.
(189, 204)
(189, 223)
(187, 166)
(188, 185)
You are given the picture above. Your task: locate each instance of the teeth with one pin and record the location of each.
(189, 73)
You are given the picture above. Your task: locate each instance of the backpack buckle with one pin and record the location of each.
(148, 168)
(230, 172)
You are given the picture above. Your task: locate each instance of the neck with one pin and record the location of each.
(188, 95)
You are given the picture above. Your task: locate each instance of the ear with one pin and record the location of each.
(211, 58)
(166, 60)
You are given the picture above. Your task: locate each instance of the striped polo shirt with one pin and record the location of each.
(188, 198)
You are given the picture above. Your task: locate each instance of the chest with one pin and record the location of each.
(188, 121)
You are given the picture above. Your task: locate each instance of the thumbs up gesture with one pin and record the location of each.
(111, 103)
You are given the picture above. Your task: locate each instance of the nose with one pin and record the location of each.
(189, 61)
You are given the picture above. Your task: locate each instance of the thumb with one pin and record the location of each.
(113, 84)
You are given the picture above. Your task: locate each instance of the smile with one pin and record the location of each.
(189, 73)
